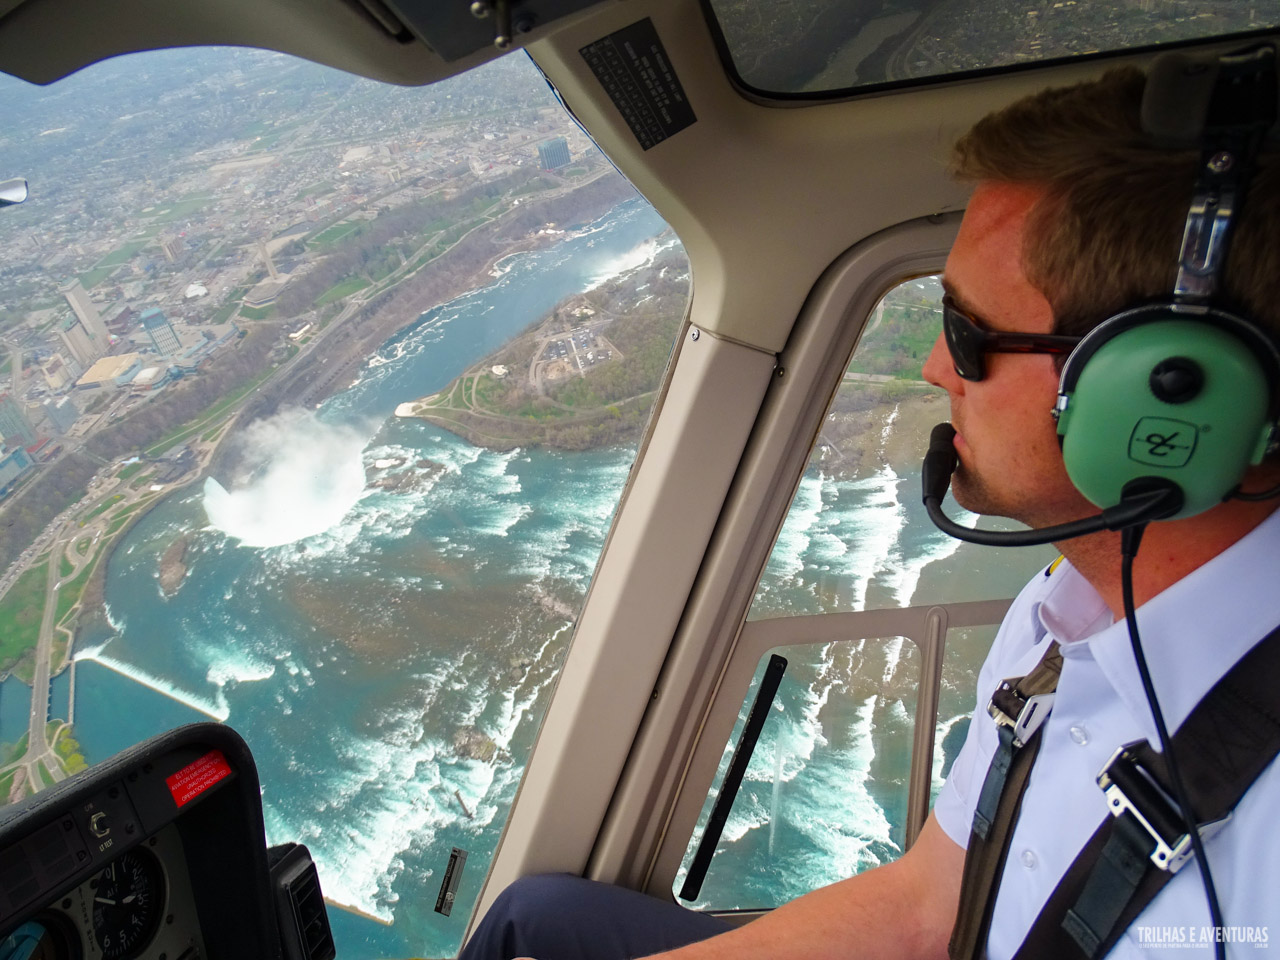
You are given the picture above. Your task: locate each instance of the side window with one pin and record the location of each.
(829, 787)
(326, 392)
(966, 648)
(825, 794)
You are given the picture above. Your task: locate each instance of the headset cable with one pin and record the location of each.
(1130, 540)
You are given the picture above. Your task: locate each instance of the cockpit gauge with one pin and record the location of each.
(128, 903)
(46, 937)
(158, 853)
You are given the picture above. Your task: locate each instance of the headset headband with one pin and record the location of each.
(1226, 106)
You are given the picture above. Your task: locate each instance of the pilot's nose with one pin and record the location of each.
(940, 370)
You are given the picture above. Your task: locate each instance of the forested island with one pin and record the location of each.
(583, 376)
(586, 375)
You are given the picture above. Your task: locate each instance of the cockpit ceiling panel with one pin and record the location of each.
(408, 42)
(814, 48)
(462, 27)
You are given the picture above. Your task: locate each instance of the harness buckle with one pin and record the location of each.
(1023, 715)
(1130, 788)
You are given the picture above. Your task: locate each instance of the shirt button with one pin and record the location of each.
(1029, 860)
(1079, 734)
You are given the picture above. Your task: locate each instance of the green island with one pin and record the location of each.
(583, 376)
(586, 375)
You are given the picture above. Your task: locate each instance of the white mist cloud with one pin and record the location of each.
(306, 475)
(635, 258)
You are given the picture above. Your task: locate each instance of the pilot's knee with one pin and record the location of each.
(535, 897)
(521, 918)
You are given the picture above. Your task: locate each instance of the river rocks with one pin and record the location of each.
(173, 567)
(404, 481)
(471, 743)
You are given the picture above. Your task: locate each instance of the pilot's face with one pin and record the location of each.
(1010, 463)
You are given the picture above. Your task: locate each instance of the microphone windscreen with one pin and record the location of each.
(939, 462)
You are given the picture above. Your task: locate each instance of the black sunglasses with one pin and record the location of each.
(969, 342)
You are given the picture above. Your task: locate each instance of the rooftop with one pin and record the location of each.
(107, 369)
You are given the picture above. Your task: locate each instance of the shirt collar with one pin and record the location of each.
(1192, 632)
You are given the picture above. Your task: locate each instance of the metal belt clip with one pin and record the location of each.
(1024, 715)
(1129, 788)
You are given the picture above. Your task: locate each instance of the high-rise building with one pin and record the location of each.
(172, 248)
(13, 465)
(85, 348)
(15, 428)
(62, 413)
(86, 311)
(161, 332)
(56, 372)
(553, 154)
(267, 261)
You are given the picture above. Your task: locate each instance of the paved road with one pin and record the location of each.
(62, 535)
(38, 749)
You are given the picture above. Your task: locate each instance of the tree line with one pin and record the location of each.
(377, 247)
(34, 507)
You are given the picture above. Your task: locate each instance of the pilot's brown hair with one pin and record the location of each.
(1108, 231)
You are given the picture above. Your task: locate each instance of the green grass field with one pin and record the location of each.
(103, 507)
(65, 568)
(224, 312)
(181, 209)
(129, 469)
(316, 190)
(117, 525)
(268, 140)
(334, 234)
(20, 613)
(58, 649)
(70, 594)
(122, 254)
(95, 276)
(14, 750)
(340, 290)
(256, 313)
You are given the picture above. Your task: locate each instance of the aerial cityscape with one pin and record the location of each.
(234, 268)
(180, 251)
(317, 398)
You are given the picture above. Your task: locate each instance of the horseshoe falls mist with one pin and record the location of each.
(380, 608)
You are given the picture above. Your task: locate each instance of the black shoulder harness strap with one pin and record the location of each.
(1225, 743)
(1019, 708)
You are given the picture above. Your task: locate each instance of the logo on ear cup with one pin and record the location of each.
(1152, 394)
(1162, 442)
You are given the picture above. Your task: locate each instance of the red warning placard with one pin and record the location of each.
(197, 777)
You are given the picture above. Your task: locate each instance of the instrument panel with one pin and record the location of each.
(140, 905)
(157, 854)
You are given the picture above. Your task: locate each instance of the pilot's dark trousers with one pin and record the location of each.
(563, 917)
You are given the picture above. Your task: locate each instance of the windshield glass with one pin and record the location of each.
(318, 399)
(815, 47)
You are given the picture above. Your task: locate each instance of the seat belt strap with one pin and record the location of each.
(1019, 707)
(1223, 746)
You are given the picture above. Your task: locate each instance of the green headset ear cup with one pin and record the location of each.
(1114, 429)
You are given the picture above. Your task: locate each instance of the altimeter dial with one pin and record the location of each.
(128, 903)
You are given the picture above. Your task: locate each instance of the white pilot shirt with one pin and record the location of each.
(1191, 634)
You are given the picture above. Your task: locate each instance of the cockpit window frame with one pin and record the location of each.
(794, 99)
